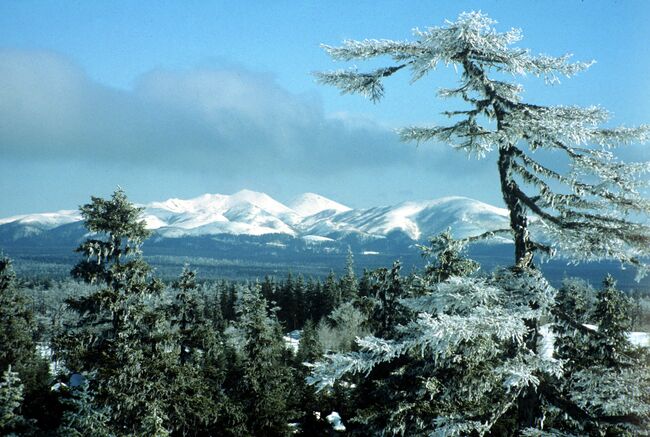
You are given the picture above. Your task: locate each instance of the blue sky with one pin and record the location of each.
(175, 99)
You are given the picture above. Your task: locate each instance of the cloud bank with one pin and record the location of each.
(235, 128)
(197, 119)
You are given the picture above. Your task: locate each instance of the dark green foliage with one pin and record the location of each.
(265, 386)
(18, 347)
(403, 390)
(386, 287)
(310, 348)
(349, 286)
(606, 384)
(448, 259)
(572, 308)
(612, 314)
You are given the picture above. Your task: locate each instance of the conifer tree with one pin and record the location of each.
(187, 314)
(11, 398)
(265, 384)
(119, 333)
(84, 418)
(586, 210)
(480, 336)
(17, 345)
(348, 283)
(571, 310)
(331, 292)
(612, 314)
(606, 377)
(198, 403)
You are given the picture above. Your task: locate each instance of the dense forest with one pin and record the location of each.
(446, 350)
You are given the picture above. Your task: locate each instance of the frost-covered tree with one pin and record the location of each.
(84, 418)
(481, 367)
(606, 378)
(348, 284)
(11, 398)
(120, 334)
(584, 199)
(461, 367)
(572, 310)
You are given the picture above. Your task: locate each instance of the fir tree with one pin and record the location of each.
(186, 312)
(265, 384)
(348, 284)
(84, 418)
(119, 333)
(612, 313)
(604, 375)
(585, 210)
(488, 328)
(11, 398)
(571, 310)
(18, 348)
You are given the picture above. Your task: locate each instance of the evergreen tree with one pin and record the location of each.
(11, 398)
(489, 327)
(605, 377)
(84, 418)
(119, 335)
(198, 404)
(309, 349)
(448, 259)
(187, 314)
(18, 348)
(612, 313)
(348, 284)
(332, 293)
(309, 402)
(265, 385)
(588, 218)
(571, 311)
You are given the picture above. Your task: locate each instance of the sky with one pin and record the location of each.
(176, 99)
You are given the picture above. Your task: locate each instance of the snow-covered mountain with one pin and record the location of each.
(309, 216)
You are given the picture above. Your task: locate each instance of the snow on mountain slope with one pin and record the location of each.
(251, 213)
(245, 212)
(47, 220)
(308, 204)
(418, 220)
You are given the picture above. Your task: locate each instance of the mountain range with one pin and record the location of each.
(249, 234)
(312, 217)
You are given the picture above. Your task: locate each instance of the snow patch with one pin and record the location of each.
(335, 420)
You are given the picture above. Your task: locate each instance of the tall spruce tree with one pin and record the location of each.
(265, 385)
(480, 337)
(118, 335)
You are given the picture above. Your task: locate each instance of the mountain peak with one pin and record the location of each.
(308, 204)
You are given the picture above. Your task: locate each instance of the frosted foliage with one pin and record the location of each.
(460, 322)
(608, 393)
(588, 201)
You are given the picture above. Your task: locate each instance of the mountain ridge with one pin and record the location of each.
(311, 215)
